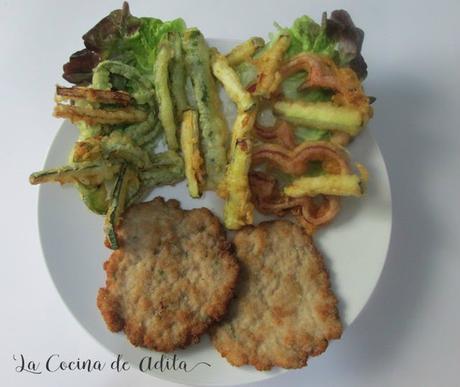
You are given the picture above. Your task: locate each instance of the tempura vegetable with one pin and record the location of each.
(91, 116)
(320, 115)
(141, 81)
(145, 132)
(166, 168)
(92, 95)
(86, 173)
(165, 104)
(212, 123)
(95, 197)
(238, 209)
(115, 74)
(338, 185)
(231, 82)
(268, 63)
(244, 51)
(190, 145)
(178, 76)
(117, 206)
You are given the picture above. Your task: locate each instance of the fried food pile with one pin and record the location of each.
(142, 81)
(146, 103)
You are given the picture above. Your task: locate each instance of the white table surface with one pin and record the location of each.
(407, 335)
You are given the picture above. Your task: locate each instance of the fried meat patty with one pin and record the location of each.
(284, 309)
(172, 277)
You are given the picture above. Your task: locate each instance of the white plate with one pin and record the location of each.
(354, 246)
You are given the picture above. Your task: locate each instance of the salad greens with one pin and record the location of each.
(120, 37)
(336, 37)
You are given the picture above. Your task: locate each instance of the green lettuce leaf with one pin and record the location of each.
(120, 37)
(309, 36)
(140, 49)
(336, 36)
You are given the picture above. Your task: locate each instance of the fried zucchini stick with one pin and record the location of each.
(165, 104)
(93, 116)
(92, 95)
(321, 115)
(231, 82)
(339, 185)
(269, 77)
(212, 123)
(190, 145)
(243, 51)
(178, 76)
(117, 206)
(238, 209)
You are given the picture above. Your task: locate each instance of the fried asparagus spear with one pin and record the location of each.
(212, 123)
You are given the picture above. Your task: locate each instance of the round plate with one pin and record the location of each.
(354, 246)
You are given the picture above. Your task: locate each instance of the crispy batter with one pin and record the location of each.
(93, 95)
(311, 212)
(296, 161)
(281, 133)
(285, 310)
(323, 72)
(172, 277)
(94, 116)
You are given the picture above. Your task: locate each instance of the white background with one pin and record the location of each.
(408, 333)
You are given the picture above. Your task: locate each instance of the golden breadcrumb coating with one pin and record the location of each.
(284, 310)
(171, 279)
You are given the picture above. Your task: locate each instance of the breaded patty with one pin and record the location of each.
(284, 310)
(172, 277)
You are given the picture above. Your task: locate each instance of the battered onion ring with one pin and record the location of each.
(319, 214)
(323, 72)
(281, 133)
(268, 199)
(296, 161)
